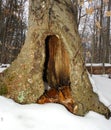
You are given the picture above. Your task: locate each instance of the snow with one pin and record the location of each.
(98, 64)
(3, 67)
(103, 86)
(55, 116)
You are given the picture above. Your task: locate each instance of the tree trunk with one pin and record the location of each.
(108, 35)
(52, 54)
(101, 51)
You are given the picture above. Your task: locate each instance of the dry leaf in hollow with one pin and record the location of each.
(62, 96)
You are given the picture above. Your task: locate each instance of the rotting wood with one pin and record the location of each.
(61, 96)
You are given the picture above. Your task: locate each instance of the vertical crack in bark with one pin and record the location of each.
(50, 11)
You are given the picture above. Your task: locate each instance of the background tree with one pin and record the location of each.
(96, 12)
(108, 44)
(12, 29)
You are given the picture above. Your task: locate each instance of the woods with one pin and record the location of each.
(92, 18)
(95, 30)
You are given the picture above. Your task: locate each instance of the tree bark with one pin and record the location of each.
(108, 35)
(24, 80)
(101, 44)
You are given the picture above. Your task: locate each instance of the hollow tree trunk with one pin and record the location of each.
(52, 54)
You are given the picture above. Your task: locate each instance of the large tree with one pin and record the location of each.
(52, 54)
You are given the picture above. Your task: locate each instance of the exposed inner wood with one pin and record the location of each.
(56, 74)
(56, 66)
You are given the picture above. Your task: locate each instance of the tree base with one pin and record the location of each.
(63, 96)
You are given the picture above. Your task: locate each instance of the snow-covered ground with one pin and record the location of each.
(3, 67)
(14, 116)
(98, 64)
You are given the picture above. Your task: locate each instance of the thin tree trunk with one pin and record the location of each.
(100, 36)
(108, 35)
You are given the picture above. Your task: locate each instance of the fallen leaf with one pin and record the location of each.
(98, 24)
(89, 10)
(61, 96)
(108, 13)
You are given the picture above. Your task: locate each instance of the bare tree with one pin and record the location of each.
(12, 29)
(108, 34)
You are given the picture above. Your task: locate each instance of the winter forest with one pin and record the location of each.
(93, 22)
(55, 64)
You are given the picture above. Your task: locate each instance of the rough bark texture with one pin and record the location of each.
(24, 80)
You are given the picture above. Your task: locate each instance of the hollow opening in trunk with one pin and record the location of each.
(56, 65)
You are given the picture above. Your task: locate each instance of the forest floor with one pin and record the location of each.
(52, 116)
